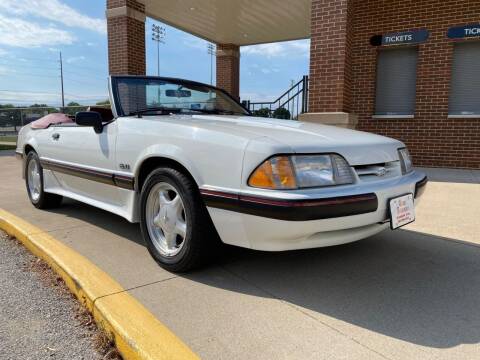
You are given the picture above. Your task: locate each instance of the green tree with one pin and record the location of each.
(73, 107)
(104, 102)
(7, 106)
(36, 111)
(282, 113)
(263, 112)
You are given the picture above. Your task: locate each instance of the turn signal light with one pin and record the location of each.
(275, 173)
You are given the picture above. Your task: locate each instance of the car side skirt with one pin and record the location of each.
(122, 181)
(292, 210)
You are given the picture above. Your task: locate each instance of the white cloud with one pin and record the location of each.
(4, 70)
(273, 49)
(281, 49)
(30, 97)
(258, 97)
(91, 44)
(54, 10)
(75, 59)
(25, 96)
(255, 68)
(303, 46)
(21, 33)
(269, 71)
(195, 43)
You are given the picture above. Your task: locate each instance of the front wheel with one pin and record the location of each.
(174, 221)
(34, 182)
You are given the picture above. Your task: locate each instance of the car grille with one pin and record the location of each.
(376, 172)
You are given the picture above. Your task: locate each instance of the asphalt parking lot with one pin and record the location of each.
(407, 294)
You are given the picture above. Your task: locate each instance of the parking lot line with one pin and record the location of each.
(137, 333)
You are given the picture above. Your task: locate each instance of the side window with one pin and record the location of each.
(465, 82)
(396, 81)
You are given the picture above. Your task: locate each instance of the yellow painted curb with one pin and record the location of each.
(136, 332)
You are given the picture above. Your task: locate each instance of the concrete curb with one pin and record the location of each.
(136, 332)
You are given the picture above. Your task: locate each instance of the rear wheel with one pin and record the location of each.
(34, 182)
(174, 221)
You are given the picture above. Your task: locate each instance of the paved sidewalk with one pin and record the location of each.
(398, 295)
(450, 207)
(459, 176)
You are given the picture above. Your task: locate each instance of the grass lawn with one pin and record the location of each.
(8, 138)
(7, 147)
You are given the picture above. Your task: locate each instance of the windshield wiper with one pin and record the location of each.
(205, 111)
(168, 110)
(216, 111)
(164, 109)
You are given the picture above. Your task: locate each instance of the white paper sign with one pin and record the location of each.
(402, 210)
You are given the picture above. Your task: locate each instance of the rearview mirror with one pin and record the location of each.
(178, 93)
(90, 118)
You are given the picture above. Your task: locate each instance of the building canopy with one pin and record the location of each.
(239, 22)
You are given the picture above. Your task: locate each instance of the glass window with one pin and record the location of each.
(465, 83)
(162, 96)
(396, 81)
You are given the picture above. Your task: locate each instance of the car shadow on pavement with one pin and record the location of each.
(406, 285)
(409, 286)
(101, 218)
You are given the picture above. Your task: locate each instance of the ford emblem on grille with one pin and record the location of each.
(381, 171)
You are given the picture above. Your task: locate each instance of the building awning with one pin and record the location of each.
(239, 22)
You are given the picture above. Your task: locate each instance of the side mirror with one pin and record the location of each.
(90, 118)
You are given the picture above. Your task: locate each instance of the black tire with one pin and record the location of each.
(44, 200)
(201, 240)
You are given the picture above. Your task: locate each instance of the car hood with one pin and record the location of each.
(359, 148)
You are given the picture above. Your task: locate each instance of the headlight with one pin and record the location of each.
(405, 161)
(301, 171)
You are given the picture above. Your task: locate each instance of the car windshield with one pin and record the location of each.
(162, 96)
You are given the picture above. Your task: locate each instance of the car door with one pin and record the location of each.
(82, 162)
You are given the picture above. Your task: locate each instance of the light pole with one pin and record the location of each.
(211, 49)
(158, 35)
(61, 80)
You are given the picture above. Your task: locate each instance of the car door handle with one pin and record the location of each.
(56, 136)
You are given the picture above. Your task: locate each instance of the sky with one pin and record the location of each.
(33, 32)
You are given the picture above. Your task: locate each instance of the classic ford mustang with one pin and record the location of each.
(191, 165)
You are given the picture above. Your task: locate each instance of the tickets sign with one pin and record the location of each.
(460, 32)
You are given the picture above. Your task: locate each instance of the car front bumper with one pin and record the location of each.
(276, 221)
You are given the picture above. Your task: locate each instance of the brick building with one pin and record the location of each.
(406, 69)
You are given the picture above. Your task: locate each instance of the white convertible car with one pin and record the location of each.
(190, 164)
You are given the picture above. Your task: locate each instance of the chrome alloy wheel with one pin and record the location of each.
(165, 219)
(34, 182)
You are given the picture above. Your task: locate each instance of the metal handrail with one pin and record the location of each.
(296, 102)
